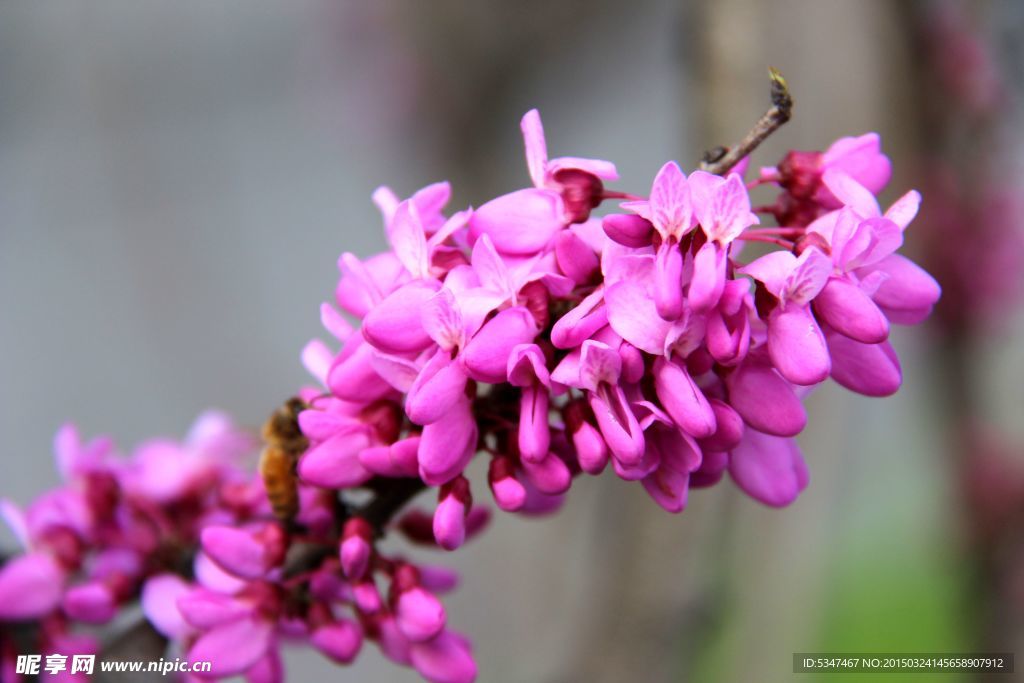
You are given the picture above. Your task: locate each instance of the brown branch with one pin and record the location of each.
(720, 159)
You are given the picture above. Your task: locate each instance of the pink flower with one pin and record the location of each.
(565, 190)
(722, 207)
(670, 211)
(796, 344)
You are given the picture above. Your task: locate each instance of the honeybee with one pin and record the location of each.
(285, 442)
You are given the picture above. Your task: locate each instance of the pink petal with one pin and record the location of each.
(712, 467)
(670, 206)
(850, 311)
(862, 159)
(722, 205)
(581, 322)
(628, 230)
(419, 614)
(450, 523)
(210, 575)
(765, 400)
(534, 431)
(397, 460)
(238, 551)
(728, 431)
(527, 365)
(605, 170)
(683, 399)
(395, 324)
(92, 603)
(618, 424)
(591, 449)
(355, 550)
(445, 659)
(409, 241)
(708, 277)
(447, 445)
(353, 377)
(868, 369)
(400, 373)
(16, 521)
(851, 193)
(393, 644)
(490, 267)
(204, 609)
(233, 647)
(768, 468)
(904, 209)
(550, 474)
(363, 284)
(509, 493)
(668, 485)
(429, 201)
(323, 424)
(160, 596)
(908, 292)
(810, 272)
(797, 346)
(772, 270)
(335, 462)
(268, 669)
(633, 316)
(334, 322)
(668, 281)
(873, 240)
(340, 640)
(486, 355)
(598, 363)
(386, 201)
(317, 359)
(536, 147)
(442, 319)
(30, 586)
(521, 222)
(575, 257)
(440, 385)
(727, 339)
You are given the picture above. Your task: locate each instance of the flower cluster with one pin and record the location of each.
(91, 544)
(555, 344)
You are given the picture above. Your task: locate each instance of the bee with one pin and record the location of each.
(285, 442)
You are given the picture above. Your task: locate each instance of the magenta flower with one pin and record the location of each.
(565, 190)
(796, 344)
(722, 207)
(670, 212)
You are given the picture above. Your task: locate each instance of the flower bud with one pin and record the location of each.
(419, 614)
(92, 602)
(508, 491)
(340, 640)
(454, 501)
(591, 449)
(551, 475)
(356, 547)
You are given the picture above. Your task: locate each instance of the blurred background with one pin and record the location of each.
(178, 179)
